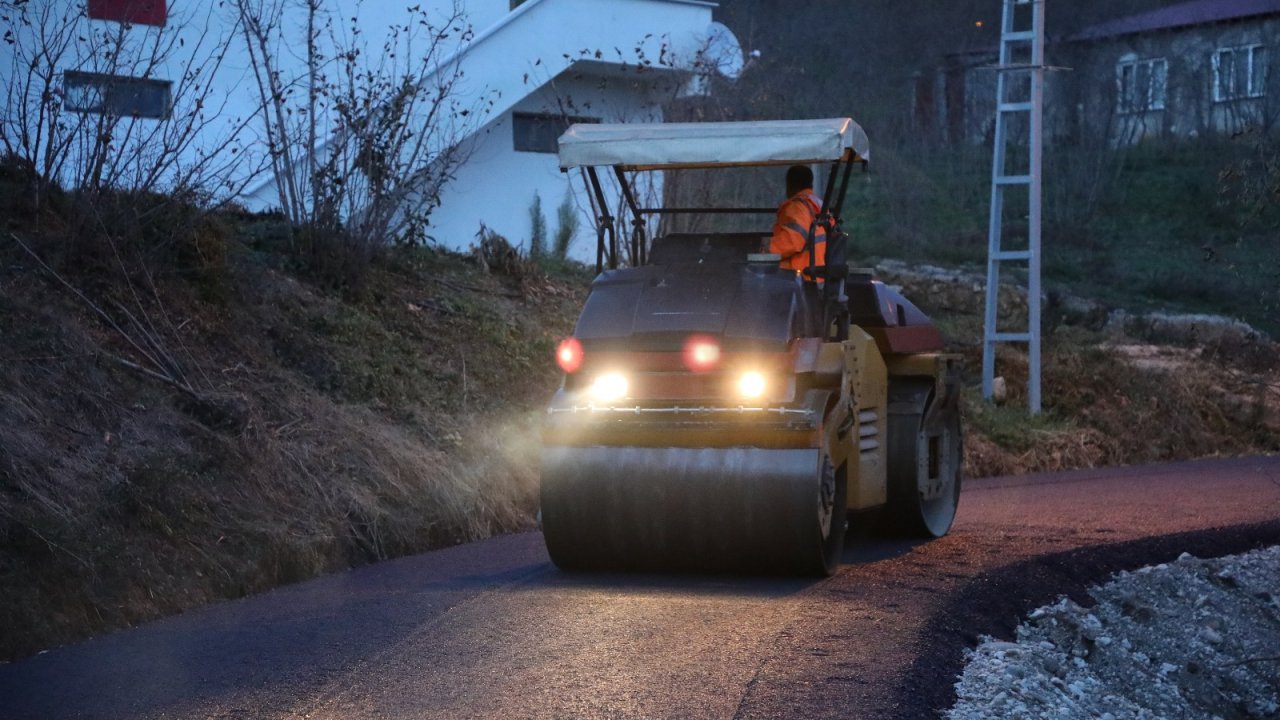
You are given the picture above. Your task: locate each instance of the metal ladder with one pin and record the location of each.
(1015, 40)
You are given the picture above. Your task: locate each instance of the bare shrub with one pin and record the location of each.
(363, 142)
(71, 135)
(1253, 180)
(496, 254)
(139, 188)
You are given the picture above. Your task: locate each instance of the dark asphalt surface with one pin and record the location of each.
(492, 629)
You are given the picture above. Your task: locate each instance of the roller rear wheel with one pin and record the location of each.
(925, 459)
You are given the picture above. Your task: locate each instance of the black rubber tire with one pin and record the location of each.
(909, 514)
(830, 528)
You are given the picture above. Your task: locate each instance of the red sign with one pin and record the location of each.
(139, 12)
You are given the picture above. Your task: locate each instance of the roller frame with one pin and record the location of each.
(681, 477)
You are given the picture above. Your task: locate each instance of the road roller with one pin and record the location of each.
(719, 413)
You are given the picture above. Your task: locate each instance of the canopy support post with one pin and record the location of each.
(604, 226)
(638, 239)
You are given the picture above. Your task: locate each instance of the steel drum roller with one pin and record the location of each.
(641, 508)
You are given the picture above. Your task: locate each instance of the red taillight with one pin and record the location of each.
(701, 353)
(569, 355)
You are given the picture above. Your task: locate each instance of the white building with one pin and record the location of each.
(528, 66)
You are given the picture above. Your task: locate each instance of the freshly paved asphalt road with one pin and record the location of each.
(492, 629)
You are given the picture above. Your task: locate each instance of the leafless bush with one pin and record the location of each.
(362, 142)
(1253, 180)
(72, 136)
(496, 254)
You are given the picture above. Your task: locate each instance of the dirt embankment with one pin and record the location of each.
(1117, 388)
(174, 433)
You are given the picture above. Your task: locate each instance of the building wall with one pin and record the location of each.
(1083, 101)
(1190, 108)
(613, 59)
(497, 185)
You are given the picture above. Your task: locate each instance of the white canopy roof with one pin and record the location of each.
(647, 146)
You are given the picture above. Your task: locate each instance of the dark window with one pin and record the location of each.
(516, 3)
(140, 12)
(1239, 72)
(1141, 84)
(116, 95)
(539, 133)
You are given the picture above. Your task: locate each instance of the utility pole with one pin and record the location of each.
(1019, 98)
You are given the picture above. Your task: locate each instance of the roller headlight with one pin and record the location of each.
(609, 387)
(751, 385)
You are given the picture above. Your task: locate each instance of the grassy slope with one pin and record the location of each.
(324, 431)
(1166, 231)
(1110, 397)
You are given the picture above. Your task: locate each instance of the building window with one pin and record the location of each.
(1141, 85)
(116, 95)
(540, 133)
(1239, 72)
(516, 3)
(138, 12)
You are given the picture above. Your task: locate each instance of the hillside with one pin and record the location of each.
(198, 409)
(202, 416)
(1120, 387)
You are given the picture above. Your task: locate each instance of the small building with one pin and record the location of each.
(1190, 69)
(1186, 70)
(517, 73)
(543, 65)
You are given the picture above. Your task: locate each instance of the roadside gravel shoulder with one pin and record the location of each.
(1192, 638)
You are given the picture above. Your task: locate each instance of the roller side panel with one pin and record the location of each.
(863, 436)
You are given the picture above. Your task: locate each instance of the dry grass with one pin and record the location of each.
(1103, 408)
(324, 432)
(1109, 398)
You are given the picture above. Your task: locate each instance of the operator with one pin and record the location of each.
(796, 215)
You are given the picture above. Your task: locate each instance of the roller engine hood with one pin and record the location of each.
(657, 307)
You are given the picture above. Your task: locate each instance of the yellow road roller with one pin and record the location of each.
(720, 413)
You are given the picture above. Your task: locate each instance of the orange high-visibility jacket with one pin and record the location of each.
(795, 216)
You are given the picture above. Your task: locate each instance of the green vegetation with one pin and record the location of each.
(537, 228)
(1008, 425)
(1111, 397)
(566, 227)
(1168, 227)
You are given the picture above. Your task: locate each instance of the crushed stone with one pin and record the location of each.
(1188, 639)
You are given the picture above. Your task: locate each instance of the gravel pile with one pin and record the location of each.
(1188, 639)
